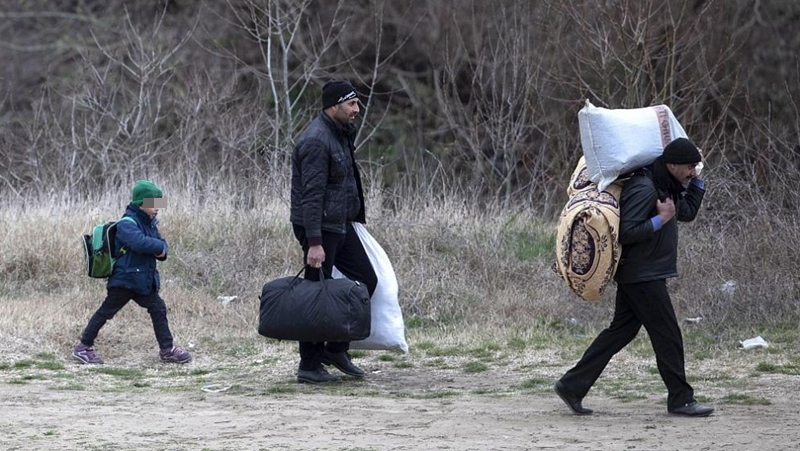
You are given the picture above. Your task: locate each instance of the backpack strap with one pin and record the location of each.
(123, 249)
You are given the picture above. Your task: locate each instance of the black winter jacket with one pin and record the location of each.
(326, 184)
(648, 254)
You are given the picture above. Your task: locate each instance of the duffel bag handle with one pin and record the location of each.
(322, 279)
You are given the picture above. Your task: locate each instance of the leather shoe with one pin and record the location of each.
(342, 362)
(573, 402)
(693, 409)
(316, 376)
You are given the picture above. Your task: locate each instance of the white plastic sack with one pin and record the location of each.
(618, 141)
(388, 328)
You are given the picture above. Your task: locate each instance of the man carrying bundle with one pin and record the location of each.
(651, 200)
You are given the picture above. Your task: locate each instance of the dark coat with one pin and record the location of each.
(326, 184)
(136, 269)
(648, 254)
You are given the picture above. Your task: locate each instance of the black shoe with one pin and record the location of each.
(342, 362)
(573, 402)
(693, 409)
(317, 376)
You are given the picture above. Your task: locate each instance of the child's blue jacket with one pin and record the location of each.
(136, 269)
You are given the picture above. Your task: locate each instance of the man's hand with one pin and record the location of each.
(316, 255)
(161, 255)
(701, 165)
(666, 210)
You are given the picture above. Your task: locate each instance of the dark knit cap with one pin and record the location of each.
(681, 151)
(335, 92)
(145, 189)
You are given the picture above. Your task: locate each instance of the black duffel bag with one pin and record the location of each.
(293, 308)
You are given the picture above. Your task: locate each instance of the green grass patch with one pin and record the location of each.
(484, 352)
(437, 394)
(63, 376)
(122, 373)
(45, 356)
(517, 343)
(628, 397)
(641, 347)
(179, 388)
(140, 384)
(49, 433)
(702, 355)
(281, 390)
(766, 367)
(633, 388)
(425, 345)
(419, 322)
(33, 377)
(52, 366)
(488, 392)
(386, 358)
(450, 351)
(73, 386)
(200, 372)
(358, 354)
(18, 382)
(528, 240)
(439, 363)
(23, 364)
(4, 366)
(243, 350)
(746, 400)
(404, 365)
(475, 367)
(710, 378)
(785, 333)
(533, 383)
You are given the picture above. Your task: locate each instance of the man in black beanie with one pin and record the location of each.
(650, 203)
(327, 198)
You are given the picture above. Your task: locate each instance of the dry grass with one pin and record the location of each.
(458, 266)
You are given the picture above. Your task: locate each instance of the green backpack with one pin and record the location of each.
(99, 249)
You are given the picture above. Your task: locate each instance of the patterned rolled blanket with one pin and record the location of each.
(587, 244)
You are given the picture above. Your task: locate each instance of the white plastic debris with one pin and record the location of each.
(225, 300)
(695, 320)
(753, 343)
(216, 388)
(728, 288)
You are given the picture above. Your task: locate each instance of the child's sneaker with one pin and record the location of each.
(174, 355)
(86, 355)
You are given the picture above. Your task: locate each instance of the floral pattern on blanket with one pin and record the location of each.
(588, 248)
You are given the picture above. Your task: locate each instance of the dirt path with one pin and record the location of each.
(33, 417)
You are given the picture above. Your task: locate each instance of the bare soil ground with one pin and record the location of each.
(406, 403)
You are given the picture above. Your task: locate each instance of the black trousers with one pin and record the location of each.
(637, 304)
(348, 255)
(115, 300)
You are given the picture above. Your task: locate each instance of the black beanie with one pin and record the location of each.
(335, 92)
(681, 151)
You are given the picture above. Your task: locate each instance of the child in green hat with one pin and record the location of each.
(135, 276)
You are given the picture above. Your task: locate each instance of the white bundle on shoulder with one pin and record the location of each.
(616, 142)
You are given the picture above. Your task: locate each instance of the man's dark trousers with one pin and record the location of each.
(346, 252)
(118, 298)
(638, 304)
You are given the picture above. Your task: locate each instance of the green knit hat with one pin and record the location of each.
(145, 189)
